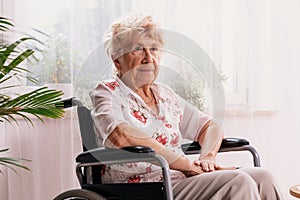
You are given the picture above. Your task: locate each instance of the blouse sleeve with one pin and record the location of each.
(106, 112)
(192, 121)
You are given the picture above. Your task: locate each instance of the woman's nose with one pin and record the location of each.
(147, 55)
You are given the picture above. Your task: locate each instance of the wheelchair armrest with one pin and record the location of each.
(111, 154)
(190, 148)
(228, 144)
(234, 142)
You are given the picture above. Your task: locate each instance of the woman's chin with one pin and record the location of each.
(144, 81)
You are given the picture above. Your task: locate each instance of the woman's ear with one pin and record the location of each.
(117, 64)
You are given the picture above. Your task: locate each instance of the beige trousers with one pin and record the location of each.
(242, 184)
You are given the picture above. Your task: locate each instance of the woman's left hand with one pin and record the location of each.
(207, 163)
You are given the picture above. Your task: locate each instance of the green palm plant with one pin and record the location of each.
(38, 103)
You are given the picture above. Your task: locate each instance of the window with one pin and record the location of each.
(228, 31)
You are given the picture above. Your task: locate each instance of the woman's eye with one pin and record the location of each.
(153, 49)
(138, 48)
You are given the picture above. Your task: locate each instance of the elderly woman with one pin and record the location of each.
(131, 109)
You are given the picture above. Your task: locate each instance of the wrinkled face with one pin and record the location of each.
(139, 66)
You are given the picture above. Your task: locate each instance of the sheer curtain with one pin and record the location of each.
(238, 35)
(53, 145)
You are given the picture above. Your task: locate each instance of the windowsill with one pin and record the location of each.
(233, 113)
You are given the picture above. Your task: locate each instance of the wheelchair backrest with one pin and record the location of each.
(86, 128)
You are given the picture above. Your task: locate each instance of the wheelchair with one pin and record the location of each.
(88, 169)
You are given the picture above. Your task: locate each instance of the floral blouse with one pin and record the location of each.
(115, 103)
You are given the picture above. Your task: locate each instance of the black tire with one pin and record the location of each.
(81, 194)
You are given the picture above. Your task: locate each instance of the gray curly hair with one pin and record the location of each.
(121, 34)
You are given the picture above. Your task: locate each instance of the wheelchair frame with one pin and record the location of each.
(95, 156)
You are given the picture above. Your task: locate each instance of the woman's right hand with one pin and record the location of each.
(193, 170)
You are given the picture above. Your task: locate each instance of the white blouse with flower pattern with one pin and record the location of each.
(115, 103)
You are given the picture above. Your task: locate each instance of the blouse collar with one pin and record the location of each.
(128, 91)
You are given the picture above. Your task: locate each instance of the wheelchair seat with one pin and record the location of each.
(90, 162)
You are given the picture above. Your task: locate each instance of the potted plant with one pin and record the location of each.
(39, 102)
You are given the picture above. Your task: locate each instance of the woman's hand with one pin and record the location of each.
(186, 166)
(193, 170)
(207, 163)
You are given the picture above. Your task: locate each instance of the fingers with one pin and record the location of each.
(226, 168)
(210, 167)
(205, 165)
(197, 162)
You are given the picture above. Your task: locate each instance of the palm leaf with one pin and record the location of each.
(40, 102)
(6, 54)
(5, 24)
(8, 118)
(11, 162)
(5, 79)
(20, 58)
(39, 95)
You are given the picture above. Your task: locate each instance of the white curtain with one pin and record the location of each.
(53, 145)
(51, 148)
(244, 39)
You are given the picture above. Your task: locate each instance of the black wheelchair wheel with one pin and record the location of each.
(79, 194)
